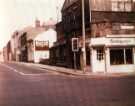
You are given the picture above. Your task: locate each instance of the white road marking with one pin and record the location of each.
(21, 73)
(13, 69)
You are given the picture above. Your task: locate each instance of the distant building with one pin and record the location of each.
(1, 56)
(36, 41)
(14, 45)
(58, 51)
(7, 52)
(110, 35)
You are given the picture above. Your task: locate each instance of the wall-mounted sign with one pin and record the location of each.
(41, 45)
(113, 41)
(121, 41)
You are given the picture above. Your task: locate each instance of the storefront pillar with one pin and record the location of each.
(91, 59)
(107, 59)
(134, 55)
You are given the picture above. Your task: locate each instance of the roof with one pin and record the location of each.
(32, 32)
(68, 3)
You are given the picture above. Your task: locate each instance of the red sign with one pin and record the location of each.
(41, 45)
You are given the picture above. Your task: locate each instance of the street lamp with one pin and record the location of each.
(83, 37)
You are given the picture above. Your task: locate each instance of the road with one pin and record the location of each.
(22, 85)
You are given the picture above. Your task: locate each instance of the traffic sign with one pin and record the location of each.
(75, 44)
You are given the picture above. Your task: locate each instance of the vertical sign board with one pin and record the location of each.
(75, 44)
(75, 48)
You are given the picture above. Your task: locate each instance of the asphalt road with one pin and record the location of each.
(30, 86)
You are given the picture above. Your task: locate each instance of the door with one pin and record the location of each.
(98, 60)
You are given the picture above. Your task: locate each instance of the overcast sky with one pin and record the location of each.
(16, 14)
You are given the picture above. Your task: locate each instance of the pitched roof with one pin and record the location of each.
(32, 32)
(67, 3)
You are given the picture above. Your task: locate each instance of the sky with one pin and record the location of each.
(17, 14)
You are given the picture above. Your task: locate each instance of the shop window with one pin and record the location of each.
(116, 56)
(121, 56)
(129, 56)
(100, 54)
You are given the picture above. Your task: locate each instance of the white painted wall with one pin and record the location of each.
(123, 40)
(38, 55)
(121, 68)
(30, 53)
(49, 35)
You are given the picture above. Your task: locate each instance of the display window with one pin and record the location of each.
(121, 56)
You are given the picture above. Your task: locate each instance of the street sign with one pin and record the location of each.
(75, 44)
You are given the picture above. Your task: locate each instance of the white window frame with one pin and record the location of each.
(124, 51)
(116, 5)
(100, 54)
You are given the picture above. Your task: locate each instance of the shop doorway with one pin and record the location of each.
(100, 59)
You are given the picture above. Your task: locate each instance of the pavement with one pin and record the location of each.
(76, 72)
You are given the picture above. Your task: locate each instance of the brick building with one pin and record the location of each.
(110, 34)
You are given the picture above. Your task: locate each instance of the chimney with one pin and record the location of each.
(37, 23)
(44, 25)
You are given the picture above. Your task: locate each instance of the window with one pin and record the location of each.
(100, 54)
(121, 56)
(128, 6)
(129, 56)
(116, 56)
(121, 5)
(114, 6)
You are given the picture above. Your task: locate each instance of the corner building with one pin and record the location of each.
(110, 34)
(112, 41)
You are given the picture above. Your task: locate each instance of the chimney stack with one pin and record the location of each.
(37, 23)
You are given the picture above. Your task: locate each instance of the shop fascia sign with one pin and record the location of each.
(112, 41)
(121, 41)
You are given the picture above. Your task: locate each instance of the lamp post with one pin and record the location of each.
(83, 37)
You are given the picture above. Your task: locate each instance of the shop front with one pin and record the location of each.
(114, 54)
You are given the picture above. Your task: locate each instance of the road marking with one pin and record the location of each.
(21, 73)
(13, 69)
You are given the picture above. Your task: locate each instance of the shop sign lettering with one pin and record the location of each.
(123, 41)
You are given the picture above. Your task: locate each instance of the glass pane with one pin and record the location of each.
(114, 6)
(128, 6)
(129, 56)
(117, 56)
(121, 6)
(100, 54)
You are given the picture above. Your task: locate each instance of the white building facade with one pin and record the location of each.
(113, 54)
(38, 48)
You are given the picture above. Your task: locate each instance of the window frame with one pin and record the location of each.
(116, 5)
(125, 62)
(100, 54)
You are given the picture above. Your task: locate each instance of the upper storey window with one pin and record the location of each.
(121, 5)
